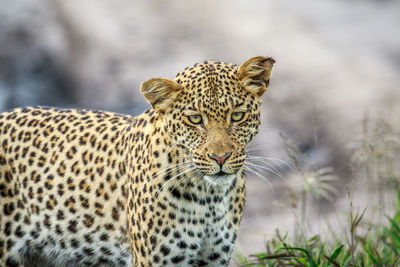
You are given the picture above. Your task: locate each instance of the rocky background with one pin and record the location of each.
(336, 61)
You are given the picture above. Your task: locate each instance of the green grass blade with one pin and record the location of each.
(241, 258)
(310, 259)
(371, 256)
(332, 261)
(336, 252)
(303, 261)
(260, 255)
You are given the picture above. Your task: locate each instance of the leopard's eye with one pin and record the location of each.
(195, 119)
(237, 116)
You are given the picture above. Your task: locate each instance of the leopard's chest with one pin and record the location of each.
(200, 233)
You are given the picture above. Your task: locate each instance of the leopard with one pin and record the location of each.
(83, 187)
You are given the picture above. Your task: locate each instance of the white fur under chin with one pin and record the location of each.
(220, 180)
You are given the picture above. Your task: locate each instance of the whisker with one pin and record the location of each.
(175, 177)
(252, 149)
(262, 177)
(171, 168)
(235, 187)
(270, 166)
(274, 171)
(188, 177)
(278, 160)
(198, 176)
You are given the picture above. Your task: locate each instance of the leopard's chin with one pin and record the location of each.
(221, 179)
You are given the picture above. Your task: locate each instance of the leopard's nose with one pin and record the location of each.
(220, 159)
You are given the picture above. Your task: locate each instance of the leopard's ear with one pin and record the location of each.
(254, 74)
(160, 92)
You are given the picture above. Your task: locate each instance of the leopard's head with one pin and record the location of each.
(212, 109)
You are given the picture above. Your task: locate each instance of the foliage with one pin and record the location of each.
(380, 247)
(374, 159)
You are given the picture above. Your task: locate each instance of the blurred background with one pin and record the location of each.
(338, 65)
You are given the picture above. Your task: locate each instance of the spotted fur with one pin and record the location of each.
(94, 188)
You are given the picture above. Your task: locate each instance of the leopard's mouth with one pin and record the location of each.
(221, 173)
